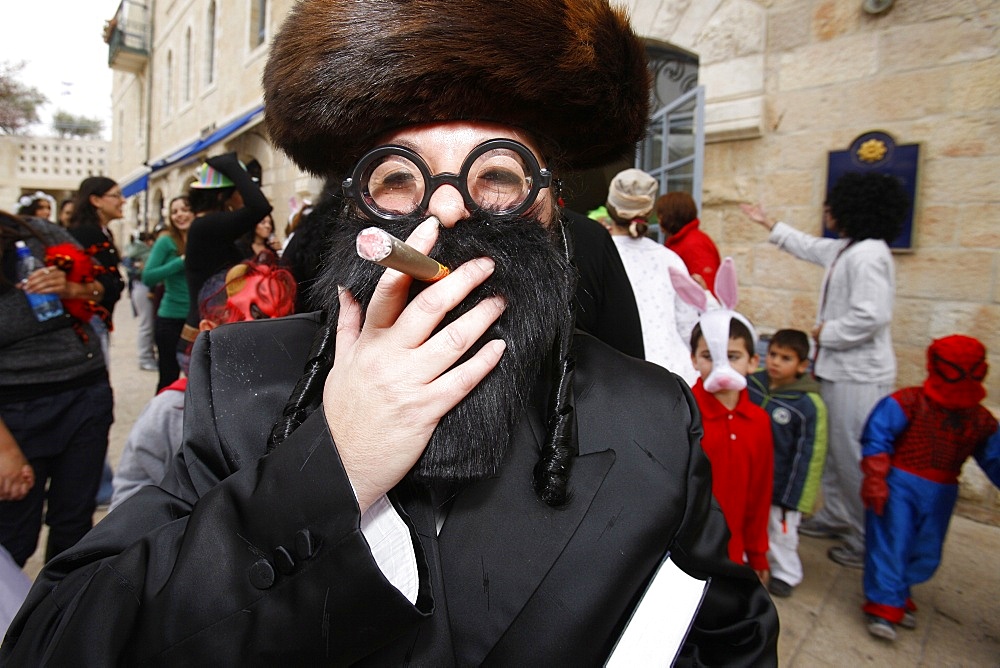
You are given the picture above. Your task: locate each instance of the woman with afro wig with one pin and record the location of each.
(854, 362)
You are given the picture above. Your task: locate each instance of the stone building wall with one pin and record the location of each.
(924, 72)
(198, 84)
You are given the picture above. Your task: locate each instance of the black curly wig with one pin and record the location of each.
(868, 206)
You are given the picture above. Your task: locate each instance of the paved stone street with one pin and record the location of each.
(822, 624)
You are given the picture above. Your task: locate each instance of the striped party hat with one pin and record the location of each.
(207, 177)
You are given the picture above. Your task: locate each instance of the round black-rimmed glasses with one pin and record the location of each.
(500, 176)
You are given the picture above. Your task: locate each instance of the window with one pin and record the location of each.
(187, 65)
(210, 44)
(258, 22)
(674, 148)
(673, 151)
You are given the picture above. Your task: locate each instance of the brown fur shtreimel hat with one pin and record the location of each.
(343, 72)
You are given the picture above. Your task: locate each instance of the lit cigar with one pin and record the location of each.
(382, 248)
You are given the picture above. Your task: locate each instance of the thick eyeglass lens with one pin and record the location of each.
(499, 180)
(499, 175)
(395, 185)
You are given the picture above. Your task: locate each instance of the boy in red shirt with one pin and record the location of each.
(738, 444)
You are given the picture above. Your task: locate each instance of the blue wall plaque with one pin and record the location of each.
(878, 152)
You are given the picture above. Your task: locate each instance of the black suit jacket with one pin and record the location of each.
(243, 559)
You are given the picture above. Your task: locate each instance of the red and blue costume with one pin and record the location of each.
(913, 447)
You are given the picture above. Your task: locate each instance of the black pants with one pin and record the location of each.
(168, 330)
(64, 436)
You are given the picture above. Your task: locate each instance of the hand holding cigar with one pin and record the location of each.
(378, 246)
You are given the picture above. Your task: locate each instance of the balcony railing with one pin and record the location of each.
(127, 36)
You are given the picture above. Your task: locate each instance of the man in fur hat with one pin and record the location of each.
(457, 478)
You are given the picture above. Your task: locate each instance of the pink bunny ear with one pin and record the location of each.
(688, 289)
(726, 288)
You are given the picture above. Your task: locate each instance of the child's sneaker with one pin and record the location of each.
(845, 556)
(880, 628)
(909, 621)
(779, 588)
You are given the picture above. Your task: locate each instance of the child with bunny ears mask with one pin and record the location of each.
(714, 326)
(737, 438)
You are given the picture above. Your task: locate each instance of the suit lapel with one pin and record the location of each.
(430, 642)
(500, 541)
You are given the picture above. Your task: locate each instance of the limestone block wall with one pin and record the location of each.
(925, 72)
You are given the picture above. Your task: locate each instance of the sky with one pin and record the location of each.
(66, 57)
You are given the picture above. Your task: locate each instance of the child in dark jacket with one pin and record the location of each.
(913, 448)
(798, 424)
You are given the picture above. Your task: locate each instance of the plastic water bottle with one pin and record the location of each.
(45, 306)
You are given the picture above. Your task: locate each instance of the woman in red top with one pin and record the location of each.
(678, 218)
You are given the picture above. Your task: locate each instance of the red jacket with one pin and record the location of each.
(697, 250)
(740, 448)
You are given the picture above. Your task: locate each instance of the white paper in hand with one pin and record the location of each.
(660, 623)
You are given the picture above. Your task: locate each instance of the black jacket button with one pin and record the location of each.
(304, 544)
(261, 574)
(284, 561)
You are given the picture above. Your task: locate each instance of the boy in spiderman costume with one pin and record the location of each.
(913, 448)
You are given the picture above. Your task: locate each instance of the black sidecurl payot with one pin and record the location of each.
(308, 391)
(551, 473)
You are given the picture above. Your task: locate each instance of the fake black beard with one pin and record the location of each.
(534, 276)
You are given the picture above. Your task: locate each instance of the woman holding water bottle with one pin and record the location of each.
(55, 399)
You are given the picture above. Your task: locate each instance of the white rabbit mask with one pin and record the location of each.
(715, 322)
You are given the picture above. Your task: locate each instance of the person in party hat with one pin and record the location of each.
(227, 203)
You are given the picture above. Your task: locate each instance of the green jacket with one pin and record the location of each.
(165, 265)
(799, 426)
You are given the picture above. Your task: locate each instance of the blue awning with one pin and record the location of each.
(141, 182)
(136, 185)
(200, 145)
